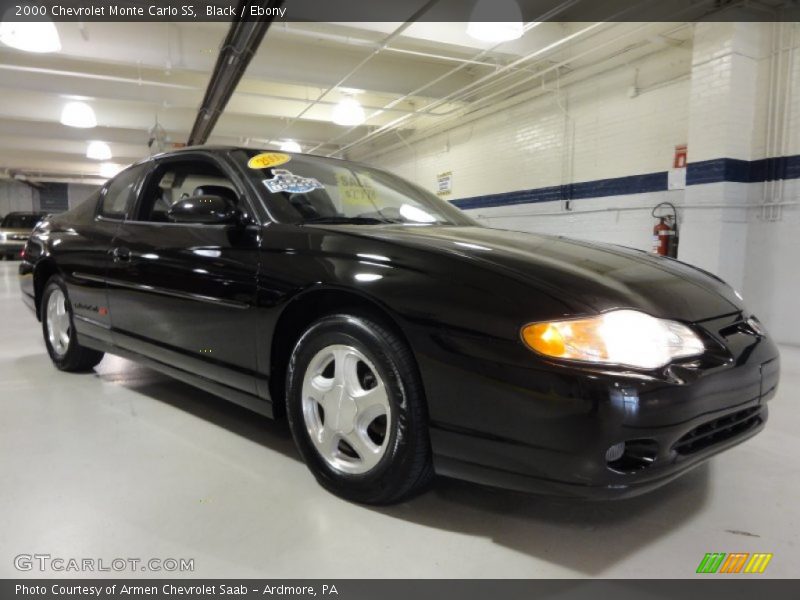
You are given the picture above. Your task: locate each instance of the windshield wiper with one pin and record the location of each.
(348, 220)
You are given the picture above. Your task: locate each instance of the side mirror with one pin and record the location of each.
(208, 210)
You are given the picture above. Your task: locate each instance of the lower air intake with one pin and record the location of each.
(719, 430)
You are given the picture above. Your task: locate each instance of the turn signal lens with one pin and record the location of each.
(621, 337)
(545, 338)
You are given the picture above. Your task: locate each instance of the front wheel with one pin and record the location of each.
(59, 331)
(357, 411)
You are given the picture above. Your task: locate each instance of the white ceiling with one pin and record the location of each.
(134, 74)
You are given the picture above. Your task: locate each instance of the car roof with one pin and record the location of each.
(227, 148)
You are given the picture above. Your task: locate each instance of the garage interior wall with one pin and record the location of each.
(16, 196)
(590, 159)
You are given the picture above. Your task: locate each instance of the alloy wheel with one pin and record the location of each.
(346, 409)
(58, 323)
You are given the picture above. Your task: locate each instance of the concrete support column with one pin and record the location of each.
(722, 111)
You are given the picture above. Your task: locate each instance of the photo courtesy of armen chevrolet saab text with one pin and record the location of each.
(400, 338)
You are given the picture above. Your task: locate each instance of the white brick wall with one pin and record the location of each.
(626, 227)
(526, 147)
(772, 284)
(714, 98)
(723, 91)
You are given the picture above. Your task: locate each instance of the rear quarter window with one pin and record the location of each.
(120, 193)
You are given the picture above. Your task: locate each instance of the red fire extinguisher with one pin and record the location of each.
(665, 232)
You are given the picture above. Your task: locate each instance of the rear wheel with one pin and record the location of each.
(59, 331)
(357, 411)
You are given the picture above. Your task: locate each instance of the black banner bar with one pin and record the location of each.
(398, 10)
(704, 588)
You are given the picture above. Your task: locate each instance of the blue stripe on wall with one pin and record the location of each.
(707, 171)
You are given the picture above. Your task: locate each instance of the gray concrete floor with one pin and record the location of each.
(126, 462)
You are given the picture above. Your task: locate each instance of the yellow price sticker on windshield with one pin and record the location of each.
(267, 160)
(356, 191)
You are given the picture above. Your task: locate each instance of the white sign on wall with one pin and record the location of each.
(444, 183)
(676, 179)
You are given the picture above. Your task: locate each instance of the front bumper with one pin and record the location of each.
(548, 429)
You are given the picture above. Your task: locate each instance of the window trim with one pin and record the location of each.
(137, 189)
(160, 163)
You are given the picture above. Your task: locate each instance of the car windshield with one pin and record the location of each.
(310, 189)
(20, 221)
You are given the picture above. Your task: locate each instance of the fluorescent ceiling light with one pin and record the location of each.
(348, 112)
(510, 28)
(109, 170)
(290, 146)
(78, 114)
(39, 37)
(495, 32)
(98, 151)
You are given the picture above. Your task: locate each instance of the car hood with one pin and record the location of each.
(594, 277)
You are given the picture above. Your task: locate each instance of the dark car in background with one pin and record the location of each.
(15, 228)
(399, 337)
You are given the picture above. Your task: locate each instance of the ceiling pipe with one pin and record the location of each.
(179, 86)
(238, 49)
(380, 46)
(550, 14)
(476, 112)
(491, 79)
(349, 40)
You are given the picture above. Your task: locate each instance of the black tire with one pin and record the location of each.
(76, 358)
(405, 468)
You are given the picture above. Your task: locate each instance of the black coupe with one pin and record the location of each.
(399, 337)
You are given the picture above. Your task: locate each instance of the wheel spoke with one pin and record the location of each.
(316, 388)
(339, 355)
(345, 364)
(372, 403)
(51, 313)
(368, 452)
(62, 323)
(327, 441)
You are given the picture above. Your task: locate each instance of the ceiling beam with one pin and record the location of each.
(237, 51)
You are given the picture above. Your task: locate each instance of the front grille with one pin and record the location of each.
(718, 430)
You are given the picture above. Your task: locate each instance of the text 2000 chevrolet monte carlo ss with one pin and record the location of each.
(400, 338)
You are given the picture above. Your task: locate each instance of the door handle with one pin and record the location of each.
(121, 254)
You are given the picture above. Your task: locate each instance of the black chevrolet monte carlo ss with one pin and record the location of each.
(399, 337)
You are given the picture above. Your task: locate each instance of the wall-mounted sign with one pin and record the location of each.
(679, 162)
(444, 183)
(676, 179)
(53, 197)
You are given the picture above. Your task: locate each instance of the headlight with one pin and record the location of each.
(620, 337)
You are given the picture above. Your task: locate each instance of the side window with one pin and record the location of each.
(178, 180)
(119, 194)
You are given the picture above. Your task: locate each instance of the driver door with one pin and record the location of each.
(183, 293)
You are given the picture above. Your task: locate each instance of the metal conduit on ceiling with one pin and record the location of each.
(238, 49)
